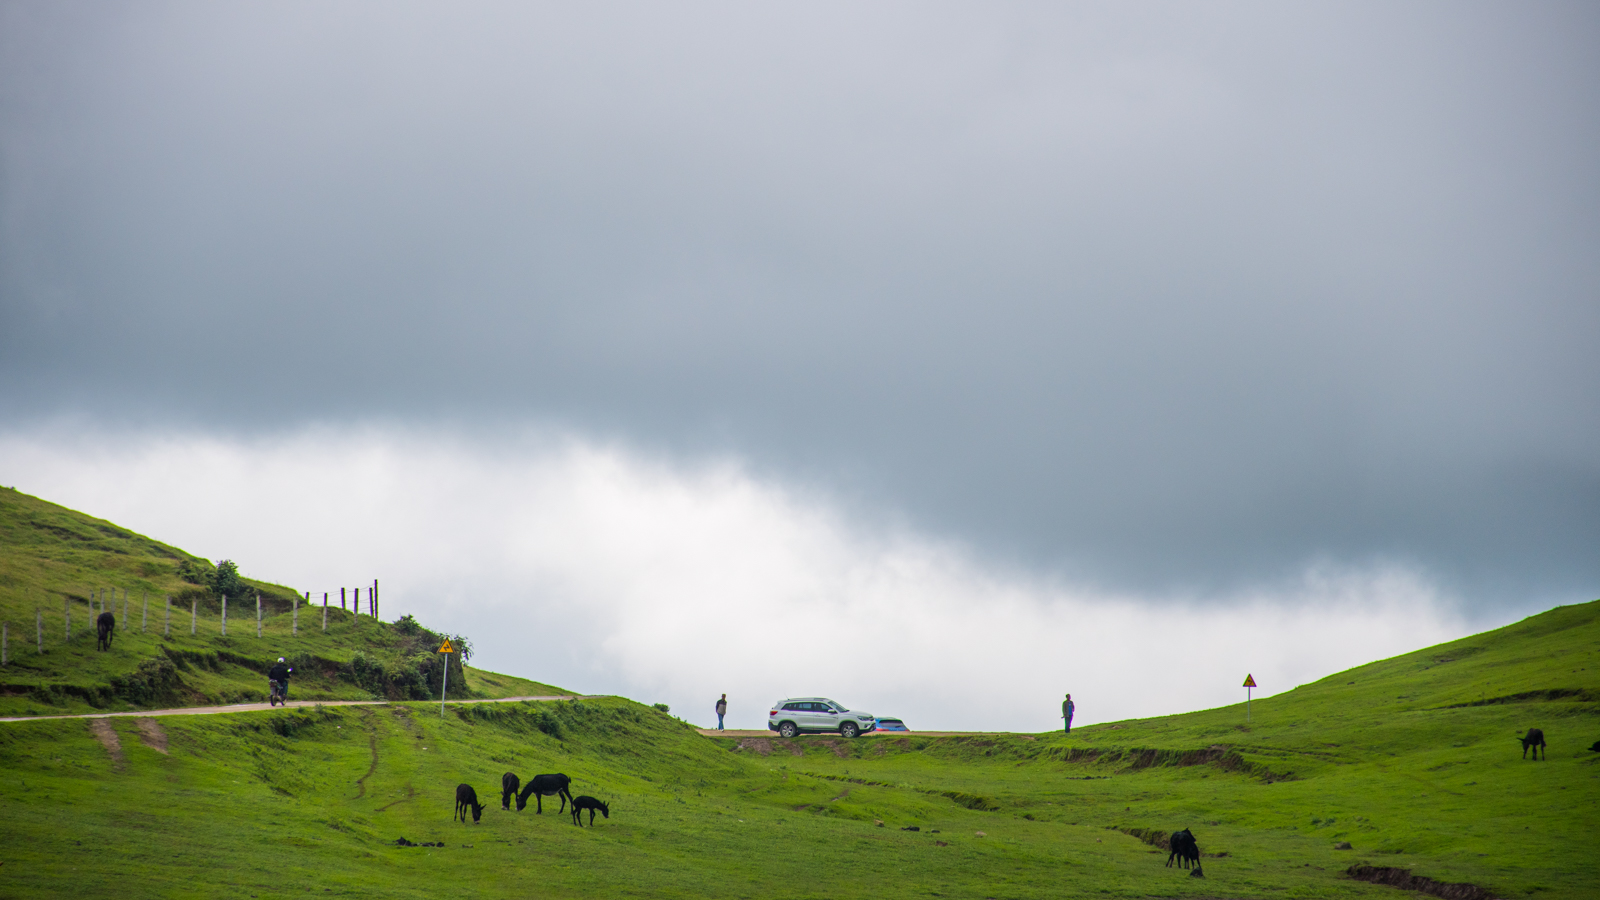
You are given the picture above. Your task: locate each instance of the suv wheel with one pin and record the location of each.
(849, 729)
(788, 730)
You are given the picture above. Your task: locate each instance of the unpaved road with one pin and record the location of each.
(712, 732)
(259, 707)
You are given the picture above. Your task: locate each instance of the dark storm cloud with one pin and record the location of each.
(1164, 296)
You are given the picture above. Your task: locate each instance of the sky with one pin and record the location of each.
(937, 358)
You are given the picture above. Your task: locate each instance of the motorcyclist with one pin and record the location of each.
(278, 677)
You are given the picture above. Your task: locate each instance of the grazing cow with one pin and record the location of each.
(1596, 747)
(106, 626)
(467, 798)
(1535, 739)
(541, 786)
(1184, 850)
(509, 783)
(591, 804)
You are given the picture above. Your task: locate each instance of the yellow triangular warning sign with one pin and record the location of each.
(1249, 680)
(447, 648)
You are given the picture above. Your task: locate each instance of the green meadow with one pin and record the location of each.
(1412, 761)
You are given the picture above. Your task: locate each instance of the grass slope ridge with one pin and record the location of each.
(53, 558)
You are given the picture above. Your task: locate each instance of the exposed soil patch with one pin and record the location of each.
(1528, 696)
(841, 796)
(107, 736)
(1150, 836)
(759, 745)
(1403, 879)
(1136, 758)
(151, 734)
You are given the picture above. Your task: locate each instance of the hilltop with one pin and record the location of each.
(1411, 761)
(56, 562)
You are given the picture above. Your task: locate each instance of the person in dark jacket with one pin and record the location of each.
(1066, 712)
(722, 710)
(279, 674)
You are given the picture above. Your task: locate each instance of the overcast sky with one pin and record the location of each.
(1186, 305)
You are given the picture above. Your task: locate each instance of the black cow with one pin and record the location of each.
(509, 783)
(467, 798)
(1184, 850)
(106, 627)
(1535, 739)
(541, 786)
(1596, 747)
(591, 804)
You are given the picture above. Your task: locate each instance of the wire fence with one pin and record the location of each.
(81, 613)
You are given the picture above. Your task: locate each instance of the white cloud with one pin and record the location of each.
(604, 569)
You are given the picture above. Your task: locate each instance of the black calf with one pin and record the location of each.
(467, 798)
(509, 783)
(106, 627)
(591, 804)
(1535, 739)
(541, 786)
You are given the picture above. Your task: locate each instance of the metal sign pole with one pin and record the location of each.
(444, 689)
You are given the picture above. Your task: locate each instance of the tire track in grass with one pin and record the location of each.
(411, 794)
(372, 741)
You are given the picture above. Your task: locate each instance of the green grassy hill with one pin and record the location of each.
(1410, 760)
(57, 563)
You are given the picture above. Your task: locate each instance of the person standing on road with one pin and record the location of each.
(1066, 712)
(722, 710)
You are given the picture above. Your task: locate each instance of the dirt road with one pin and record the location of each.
(712, 732)
(259, 707)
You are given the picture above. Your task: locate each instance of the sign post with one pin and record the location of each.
(444, 687)
(1249, 682)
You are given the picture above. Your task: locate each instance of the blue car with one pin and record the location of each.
(891, 725)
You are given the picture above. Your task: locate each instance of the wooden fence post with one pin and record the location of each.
(224, 615)
(296, 624)
(194, 615)
(341, 598)
(258, 615)
(324, 612)
(375, 598)
(168, 631)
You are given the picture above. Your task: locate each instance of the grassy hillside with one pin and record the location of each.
(1410, 760)
(56, 562)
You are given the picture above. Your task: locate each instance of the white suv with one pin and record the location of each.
(800, 714)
